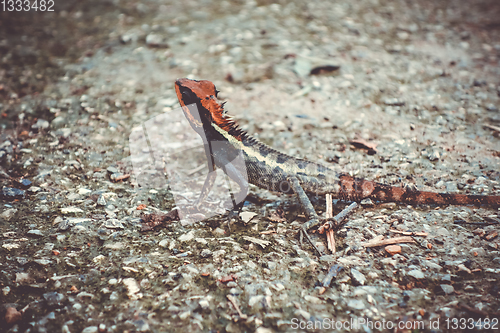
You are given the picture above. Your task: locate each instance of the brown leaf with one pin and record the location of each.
(363, 144)
(324, 69)
(491, 236)
(228, 278)
(152, 221)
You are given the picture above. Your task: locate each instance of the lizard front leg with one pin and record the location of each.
(205, 190)
(234, 170)
(211, 176)
(238, 199)
(312, 216)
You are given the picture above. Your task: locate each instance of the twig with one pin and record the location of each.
(409, 233)
(381, 242)
(330, 227)
(330, 234)
(330, 238)
(492, 127)
(332, 273)
(262, 242)
(489, 222)
(492, 220)
(23, 310)
(195, 170)
(232, 299)
(338, 218)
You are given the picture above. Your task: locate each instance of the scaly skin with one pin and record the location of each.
(269, 169)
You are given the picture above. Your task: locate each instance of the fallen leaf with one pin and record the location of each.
(363, 144)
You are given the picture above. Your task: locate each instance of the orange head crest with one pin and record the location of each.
(204, 94)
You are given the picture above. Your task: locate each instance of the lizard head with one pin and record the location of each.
(203, 94)
(209, 111)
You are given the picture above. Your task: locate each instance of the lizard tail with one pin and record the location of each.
(354, 189)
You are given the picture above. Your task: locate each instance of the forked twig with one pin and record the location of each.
(335, 222)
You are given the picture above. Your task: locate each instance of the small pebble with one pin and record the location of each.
(90, 329)
(101, 201)
(447, 289)
(393, 249)
(35, 233)
(247, 216)
(205, 253)
(358, 277)
(25, 183)
(416, 273)
(155, 40)
(8, 214)
(12, 316)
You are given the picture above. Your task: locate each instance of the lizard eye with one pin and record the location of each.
(187, 96)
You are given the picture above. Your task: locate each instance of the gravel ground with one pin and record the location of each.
(402, 92)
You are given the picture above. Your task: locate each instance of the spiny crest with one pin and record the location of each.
(220, 117)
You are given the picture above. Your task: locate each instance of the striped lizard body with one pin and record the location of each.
(272, 170)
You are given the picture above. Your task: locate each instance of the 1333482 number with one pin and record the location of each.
(472, 324)
(27, 5)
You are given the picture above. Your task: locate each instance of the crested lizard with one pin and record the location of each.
(272, 170)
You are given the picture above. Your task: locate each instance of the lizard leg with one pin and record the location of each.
(211, 176)
(237, 199)
(205, 190)
(238, 174)
(313, 218)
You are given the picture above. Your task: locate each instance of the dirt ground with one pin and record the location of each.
(406, 93)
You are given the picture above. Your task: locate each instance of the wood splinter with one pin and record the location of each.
(232, 299)
(409, 233)
(378, 241)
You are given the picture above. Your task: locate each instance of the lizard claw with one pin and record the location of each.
(234, 213)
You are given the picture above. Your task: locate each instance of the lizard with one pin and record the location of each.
(275, 171)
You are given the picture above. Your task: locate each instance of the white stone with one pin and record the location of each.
(356, 304)
(416, 273)
(90, 329)
(187, 237)
(132, 286)
(71, 209)
(247, 216)
(255, 299)
(84, 191)
(8, 213)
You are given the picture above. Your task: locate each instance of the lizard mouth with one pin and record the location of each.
(189, 102)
